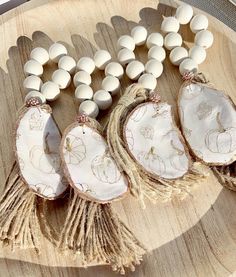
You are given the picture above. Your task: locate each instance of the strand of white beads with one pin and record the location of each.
(187, 61)
(61, 78)
(136, 70)
(90, 102)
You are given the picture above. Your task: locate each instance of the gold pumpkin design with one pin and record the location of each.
(138, 114)
(45, 190)
(178, 161)
(129, 138)
(152, 162)
(43, 159)
(147, 132)
(74, 150)
(221, 140)
(105, 169)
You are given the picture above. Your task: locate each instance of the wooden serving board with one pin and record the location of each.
(195, 237)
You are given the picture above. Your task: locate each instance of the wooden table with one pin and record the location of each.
(195, 237)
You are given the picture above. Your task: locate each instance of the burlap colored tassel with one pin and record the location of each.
(19, 224)
(95, 233)
(226, 175)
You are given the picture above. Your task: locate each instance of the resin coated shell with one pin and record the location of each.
(37, 152)
(154, 141)
(89, 167)
(208, 120)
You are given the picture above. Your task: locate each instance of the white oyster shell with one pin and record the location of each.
(88, 165)
(208, 120)
(154, 141)
(37, 151)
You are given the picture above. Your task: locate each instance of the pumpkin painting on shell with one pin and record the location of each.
(89, 168)
(208, 121)
(37, 151)
(155, 141)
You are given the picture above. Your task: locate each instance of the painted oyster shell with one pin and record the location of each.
(208, 120)
(37, 151)
(154, 141)
(88, 165)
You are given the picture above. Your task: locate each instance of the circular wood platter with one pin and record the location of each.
(193, 237)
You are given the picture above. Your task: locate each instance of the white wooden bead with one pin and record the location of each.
(199, 22)
(111, 84)
(139, 34)
(177, 55)
(101, 59)
(56, 51)
(134, 69)
(34, 93)
(125, 56)
(62, 78)
(170, 24)
(198, 54)
(90, 108)
(188, 65)
(83, 92)
(126, 42)
(86, 64)
(184, 13)
(50, 90)
(148, 81)
(114, 69)
(67, 63)
(32, 83)
(154, 39)
(40, 55)
(103, 99)
(172, 40)
(204, 38)
(154, 67)
(157, 53)
(82, 77)
(33, 67)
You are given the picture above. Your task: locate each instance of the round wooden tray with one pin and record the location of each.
(195, 237)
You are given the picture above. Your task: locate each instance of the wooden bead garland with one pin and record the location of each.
(61, 78)
(179, 56)
(135, 70)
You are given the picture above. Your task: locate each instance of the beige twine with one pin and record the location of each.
(226, 175)
(141, 183)
(19, 225)
(95, 232)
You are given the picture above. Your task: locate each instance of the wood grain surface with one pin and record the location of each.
(195, 237)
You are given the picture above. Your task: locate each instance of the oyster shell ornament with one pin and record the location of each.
(36, 172)
(208, 121)
(146, 143)
(96, 181)
(88, 165)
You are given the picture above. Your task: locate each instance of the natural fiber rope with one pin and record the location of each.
(226, 175)
(95, 232)
(19, 225)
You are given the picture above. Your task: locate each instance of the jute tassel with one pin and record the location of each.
(141, 184)
(226, 175)
(19, 224)
(95, 233)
